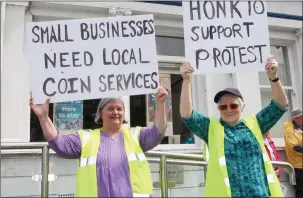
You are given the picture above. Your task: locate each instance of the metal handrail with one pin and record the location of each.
(44, 164)
(164, 158)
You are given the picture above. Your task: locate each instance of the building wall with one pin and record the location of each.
(17, 170)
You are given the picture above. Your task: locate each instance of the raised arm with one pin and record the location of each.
(41, 110)
(186, 106)
(195, 121)
(67, 146)
(150, 137)
(278, 92)
(160, 114)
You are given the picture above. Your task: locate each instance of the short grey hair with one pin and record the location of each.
(102, 103)
(296, 112)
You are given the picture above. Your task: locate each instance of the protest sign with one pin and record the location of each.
(92, 58)
(226, 36)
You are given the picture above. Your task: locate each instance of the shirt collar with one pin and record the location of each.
(225, 124)
(296, 126)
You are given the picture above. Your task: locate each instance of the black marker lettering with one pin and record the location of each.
(247, 24)
(124, 34)
(256, 7)
(53, 37)
(241, 55)
(62, 59)
(216, 54)
(154, 85)
(237, 28)
(86, 86)
(64, 85)
(233, 7)
(104, 58)
(44, 87)
(146, 81)
(198, 58)
(248, 49)
(137, 81)
(47, 59)
(193, 31)
(226, 53)
(222, 8)
(140, 57)
(192, 9)
(110, 81)
(71, 84)
(84, 32)
(119, 85)
(260, 51)
(35, 33)
(212, 10)
(88, 55)
(75, 59)
(102, 89)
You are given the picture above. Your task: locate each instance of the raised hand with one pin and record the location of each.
(161, 94)
(186, 70)
(271, 68)
(41, 110)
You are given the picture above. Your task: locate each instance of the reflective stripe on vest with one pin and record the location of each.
(139, 171)
(141, 195)
(217, 182)
(130, 156)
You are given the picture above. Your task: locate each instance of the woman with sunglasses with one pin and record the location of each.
(238, 164)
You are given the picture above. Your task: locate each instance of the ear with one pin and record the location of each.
(243, 107)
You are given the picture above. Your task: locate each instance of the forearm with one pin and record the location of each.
(49, 130)
(160, 117)
(279, 94)
(186, 106)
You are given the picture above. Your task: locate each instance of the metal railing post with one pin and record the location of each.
(163, 175)
(45, 171)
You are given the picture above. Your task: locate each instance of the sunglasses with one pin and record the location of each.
(231, 106)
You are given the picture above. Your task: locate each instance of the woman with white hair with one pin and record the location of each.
(111, 159)
(238, 164)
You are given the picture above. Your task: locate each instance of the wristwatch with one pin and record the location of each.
(275, 79)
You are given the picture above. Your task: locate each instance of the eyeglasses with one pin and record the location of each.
(231, 106)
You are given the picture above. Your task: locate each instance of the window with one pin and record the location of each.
(281, 55)
(170, 46)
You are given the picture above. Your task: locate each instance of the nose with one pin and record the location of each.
(115, 111)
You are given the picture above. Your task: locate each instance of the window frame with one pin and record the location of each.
(291, 52)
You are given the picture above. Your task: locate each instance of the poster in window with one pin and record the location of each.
(151, 105)
(68, 116)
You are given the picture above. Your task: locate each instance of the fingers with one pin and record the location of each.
(271, 63)
(31, 101)
(47, 101)
(187, 66)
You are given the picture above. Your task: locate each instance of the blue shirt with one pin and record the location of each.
(244, 159)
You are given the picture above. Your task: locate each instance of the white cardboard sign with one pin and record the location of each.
(226, 36)
(92, 58)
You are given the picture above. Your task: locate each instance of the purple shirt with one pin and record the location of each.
(112, 163)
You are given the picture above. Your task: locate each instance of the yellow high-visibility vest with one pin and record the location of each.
(217, 180)
(86, 177)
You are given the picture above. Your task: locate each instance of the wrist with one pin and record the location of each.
(188, 80)
(274, 79)
(43, 118)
